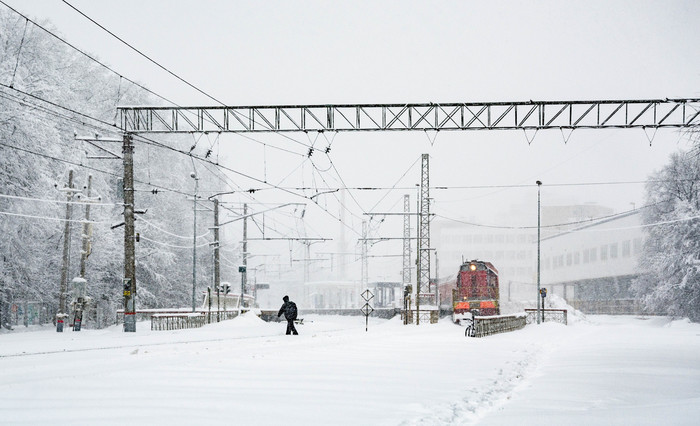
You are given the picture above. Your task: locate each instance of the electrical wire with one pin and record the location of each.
(170, 233)
(54, 218)
(171, 245)
(87, 203)
(51, 33)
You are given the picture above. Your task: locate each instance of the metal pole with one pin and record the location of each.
(244, 274)
(539, 184)
(194, 241)
(129, 243)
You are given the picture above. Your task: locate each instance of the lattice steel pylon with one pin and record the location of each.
(424, 298)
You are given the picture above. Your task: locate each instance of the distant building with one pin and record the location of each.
(386, 294)
(593, 266)
(513, 250)
(332, 295)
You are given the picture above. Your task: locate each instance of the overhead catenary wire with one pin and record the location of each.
(184, 237)
(189, 247)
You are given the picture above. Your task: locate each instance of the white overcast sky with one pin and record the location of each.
(312, 52)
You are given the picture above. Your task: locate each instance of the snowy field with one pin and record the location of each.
(601, 370)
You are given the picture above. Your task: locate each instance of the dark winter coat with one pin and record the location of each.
(289, 309)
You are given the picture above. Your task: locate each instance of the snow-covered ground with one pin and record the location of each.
(601, 370)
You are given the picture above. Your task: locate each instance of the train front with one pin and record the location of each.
(476, 292)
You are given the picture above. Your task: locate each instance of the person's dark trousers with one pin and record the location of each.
(290, 327)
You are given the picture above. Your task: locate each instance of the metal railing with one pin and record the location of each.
(550, 315)
(486, 326)
(177, 321)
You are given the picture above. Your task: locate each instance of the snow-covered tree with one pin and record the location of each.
(670, 278)
(37, 148)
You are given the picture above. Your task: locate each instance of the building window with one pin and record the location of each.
(586, 256)
(603, 252)
(577, 258)
(489, 239)
(637, 245)
(613, 251)
(626, 248)
(594, 255)
(569, 259)
(500, 239)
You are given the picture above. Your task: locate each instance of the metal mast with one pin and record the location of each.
(423, 295)
(406, 241)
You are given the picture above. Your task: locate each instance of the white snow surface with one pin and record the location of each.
(601, 370)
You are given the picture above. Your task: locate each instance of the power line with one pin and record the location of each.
(87, 55)
(559, 225)
(144, 55)
(16, 197)
(53, 218)
(132, 81)
(73, 163)
(109, 125)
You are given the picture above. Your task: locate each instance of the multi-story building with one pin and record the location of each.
(593, 266)
(513, 250)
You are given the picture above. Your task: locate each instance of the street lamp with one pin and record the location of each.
(193, 175)
(539, 184)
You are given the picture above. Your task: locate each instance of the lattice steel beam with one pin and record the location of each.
(528, 115)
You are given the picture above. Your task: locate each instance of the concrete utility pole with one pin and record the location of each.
(66, 250)
(217, 266)
(194, 240)
(129, 242)
(85, 252)
(244, 272)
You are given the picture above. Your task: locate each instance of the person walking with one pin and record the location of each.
(289, 309)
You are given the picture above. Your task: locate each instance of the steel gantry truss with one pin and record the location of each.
(654, 113)
(527, 115)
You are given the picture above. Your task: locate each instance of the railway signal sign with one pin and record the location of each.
(367, 309)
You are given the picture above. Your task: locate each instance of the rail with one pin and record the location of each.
(551, 315)
(488, 325)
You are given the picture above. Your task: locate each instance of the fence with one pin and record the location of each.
(424, 316)
(172, 319)
(610, 306)
(551, 315)
(177, 321)
(486, 326)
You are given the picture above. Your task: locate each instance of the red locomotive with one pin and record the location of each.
(475, 290)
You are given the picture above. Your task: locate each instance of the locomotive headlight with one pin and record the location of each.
(472, 267)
